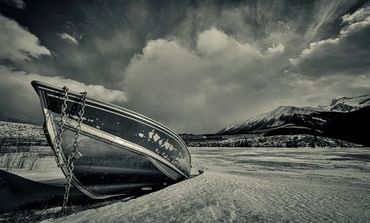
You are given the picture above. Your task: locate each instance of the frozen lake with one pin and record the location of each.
(255, 185)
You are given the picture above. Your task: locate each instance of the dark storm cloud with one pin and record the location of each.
(198, 66)
(18, 100)
(110, 33)
(19, 4)
(348, 53)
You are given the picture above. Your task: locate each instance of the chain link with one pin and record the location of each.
(80, 119)
(59, 138)
(74, 154)
(70, 168)
(59, 141)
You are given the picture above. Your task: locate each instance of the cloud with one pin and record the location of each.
(18, 99)
(201, 88)
(358, 16)
(214, 42)
(315, 91)
(276, 49)
(98, 92)
(17, 44)
(68, 38)
(19, 4)
(348, 53)
(222, 80)
(115, 31)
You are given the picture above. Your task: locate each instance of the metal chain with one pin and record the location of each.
(59, 138)
(79, 120)
(74, 154)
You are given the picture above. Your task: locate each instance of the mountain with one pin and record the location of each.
(283, 116)
(348, 104)
(346, 118)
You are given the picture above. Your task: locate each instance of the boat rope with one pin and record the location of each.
(75, 154)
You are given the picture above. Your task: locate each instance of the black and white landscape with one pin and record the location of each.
(271, 97)
(343, 123)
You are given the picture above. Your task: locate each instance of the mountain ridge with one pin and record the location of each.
(345, 118)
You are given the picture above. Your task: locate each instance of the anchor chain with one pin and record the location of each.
(59, 140)
(75, 155)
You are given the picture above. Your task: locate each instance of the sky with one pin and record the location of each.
(195, 66)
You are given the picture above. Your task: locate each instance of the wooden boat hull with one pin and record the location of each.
(122, 151)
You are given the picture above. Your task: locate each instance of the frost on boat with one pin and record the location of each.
(120, 151)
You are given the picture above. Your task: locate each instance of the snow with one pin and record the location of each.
(348, 104)
(45, 172)
(273, 118)
(255, 185)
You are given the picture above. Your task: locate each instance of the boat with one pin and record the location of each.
(114, 151)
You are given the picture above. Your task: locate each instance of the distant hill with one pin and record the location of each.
(259, 140)
(346, 118)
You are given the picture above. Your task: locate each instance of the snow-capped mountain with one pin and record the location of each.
(346, 118)
(348, 104)
(281, 116)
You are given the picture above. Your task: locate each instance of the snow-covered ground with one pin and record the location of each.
(47, 170)
(255, 185)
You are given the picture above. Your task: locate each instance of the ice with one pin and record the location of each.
(255, 185)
